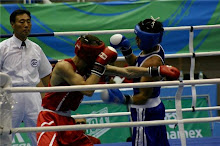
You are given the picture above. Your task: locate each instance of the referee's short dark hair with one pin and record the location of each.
(18, 12)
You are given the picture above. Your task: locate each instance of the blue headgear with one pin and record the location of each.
(148, 40)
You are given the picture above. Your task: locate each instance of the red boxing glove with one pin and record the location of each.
(170, 72)
(108, 55)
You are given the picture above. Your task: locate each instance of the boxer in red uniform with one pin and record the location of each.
(90, 53)
(89, 64)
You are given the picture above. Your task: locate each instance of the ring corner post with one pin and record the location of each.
(6, 104)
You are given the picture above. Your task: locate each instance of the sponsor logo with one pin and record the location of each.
(195, 133)
(98, 132)
(174, 134)
(171, 116)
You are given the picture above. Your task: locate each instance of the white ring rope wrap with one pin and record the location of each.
(132, 30)
(200, 54)
(192, 67)
(123, 85)
(129, 113)
(179, 114)
(183, 28)
(185, 55)
(216, 53)
(110, 86)
(112, 125)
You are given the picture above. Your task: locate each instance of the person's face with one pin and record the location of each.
(81, 121)
(22, 26)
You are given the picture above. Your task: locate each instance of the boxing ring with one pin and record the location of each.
(6, 102)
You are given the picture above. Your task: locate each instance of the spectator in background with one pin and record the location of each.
(38, 1)
(25, 62)
(93, 139)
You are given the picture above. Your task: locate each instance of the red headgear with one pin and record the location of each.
(88, 52)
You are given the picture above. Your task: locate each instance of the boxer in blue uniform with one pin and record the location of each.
(145, 103)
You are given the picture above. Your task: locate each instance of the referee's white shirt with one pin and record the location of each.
(25, 65)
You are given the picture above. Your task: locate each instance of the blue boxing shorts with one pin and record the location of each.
(152, 135)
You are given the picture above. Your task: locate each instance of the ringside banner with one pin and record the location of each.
(92, 16)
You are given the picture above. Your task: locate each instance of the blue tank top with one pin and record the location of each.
(140, 60)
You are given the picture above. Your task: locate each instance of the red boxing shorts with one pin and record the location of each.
(57, 138)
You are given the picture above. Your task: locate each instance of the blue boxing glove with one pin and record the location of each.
(121, 42)
(115, 96)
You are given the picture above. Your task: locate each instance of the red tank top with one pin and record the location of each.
(63, 101)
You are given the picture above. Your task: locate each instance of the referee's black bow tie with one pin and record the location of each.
(23, 44)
